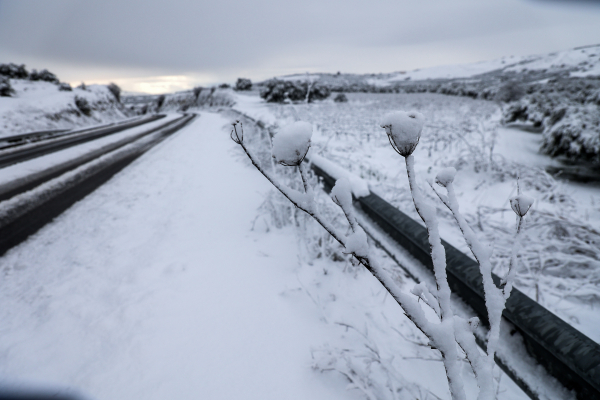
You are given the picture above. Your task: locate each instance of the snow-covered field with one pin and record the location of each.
(560, 266)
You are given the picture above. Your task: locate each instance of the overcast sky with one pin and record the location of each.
(159, 46)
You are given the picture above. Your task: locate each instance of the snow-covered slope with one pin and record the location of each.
(40, 105)
(577, 62)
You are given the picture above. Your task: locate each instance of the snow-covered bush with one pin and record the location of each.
(447, 332)
(6, 89)
(569, 113)
(115, 90)
(65, 87)
(340, 98)
(197, 90)
(160, 100)
(43, 75)
(243, 84)
(510, 91)
(83, 105)
(279, 91)
(575, 134)
(14, 71)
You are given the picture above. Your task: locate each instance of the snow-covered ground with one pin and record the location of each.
(40, 105)
(35, 165)
(154, 287)
(163, 283)
(560, 266)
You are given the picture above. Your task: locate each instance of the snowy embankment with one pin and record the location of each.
(41, 105)
(155, 287)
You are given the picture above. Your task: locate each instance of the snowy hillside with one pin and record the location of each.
(34, 105)
(578, 62)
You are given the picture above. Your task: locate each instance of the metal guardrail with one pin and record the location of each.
(567, 354)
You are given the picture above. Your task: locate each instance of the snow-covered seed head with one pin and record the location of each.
(445, 176)
(237, 135)
(292, 142)
(403, 130)
(521, 204)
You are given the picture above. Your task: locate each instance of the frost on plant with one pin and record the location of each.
(403, 130)
(291, 144)
(447, 332)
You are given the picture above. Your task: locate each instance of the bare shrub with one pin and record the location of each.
(65, 87)
(83, 105)
(279, 91)
(43, 75)
(6, 89)
(341, 98)
(14, 71)
(160, 100)
(115, 90)
(243, 84)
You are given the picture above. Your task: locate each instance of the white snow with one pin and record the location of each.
(154, 287)
(404, 128)
(39, 164)
(456, 71)
(292, 142)
(445, 176)
(254, 107)
(342, 193)
(360, 187)
(40, 105)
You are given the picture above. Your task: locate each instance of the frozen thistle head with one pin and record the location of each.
(445, 176)
(292, 142)
(521, 204)
(403, 130)
(237, 135)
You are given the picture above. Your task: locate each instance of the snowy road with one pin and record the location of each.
(155, 287)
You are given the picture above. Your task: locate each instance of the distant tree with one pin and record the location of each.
(197, 90)
(115, 90)
(83, 105)
(6, 89)
(160, 100)
(224, 86)
(340, 98)
(279, 91)
(243, 84)
(82, 86)
(43, 75)
(14, 71)
(510, 91)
